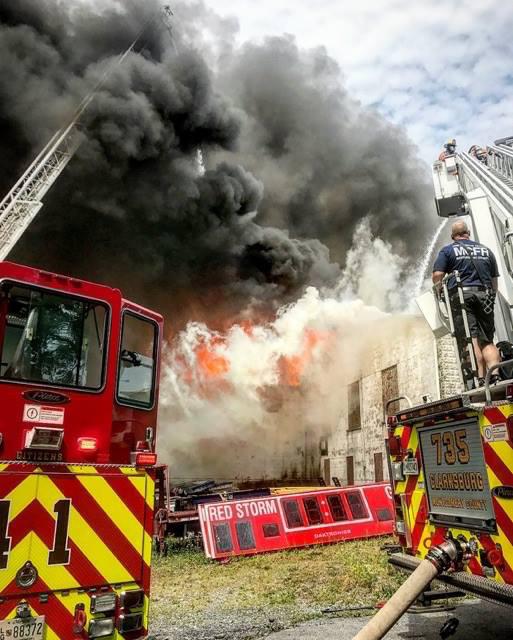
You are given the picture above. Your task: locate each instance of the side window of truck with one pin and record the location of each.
(292, 514)
(313, 512)
(338, 513)
(245, 536)
(137, 361)
(356, 505)
(223, 537)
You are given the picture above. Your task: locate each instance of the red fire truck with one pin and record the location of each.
(303, 518)
(78, 389)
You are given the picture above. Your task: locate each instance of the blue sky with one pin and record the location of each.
(438, 68)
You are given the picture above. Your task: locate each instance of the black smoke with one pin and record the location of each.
(291, 162)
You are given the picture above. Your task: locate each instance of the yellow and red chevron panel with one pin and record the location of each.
(71, 532)
(494, 550)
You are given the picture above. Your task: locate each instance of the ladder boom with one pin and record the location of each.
(23, 202)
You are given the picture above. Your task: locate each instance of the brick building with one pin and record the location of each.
(410, 362)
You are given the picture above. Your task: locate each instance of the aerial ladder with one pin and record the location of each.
(480, 188)
(23, 202)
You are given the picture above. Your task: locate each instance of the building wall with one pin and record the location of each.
(412, 348)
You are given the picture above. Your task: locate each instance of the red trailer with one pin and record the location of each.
(245, 527)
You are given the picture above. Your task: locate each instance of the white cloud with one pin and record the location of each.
(436, 67)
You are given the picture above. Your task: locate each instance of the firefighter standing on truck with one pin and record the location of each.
(477, 268)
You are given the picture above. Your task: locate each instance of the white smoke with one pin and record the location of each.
(234, 404)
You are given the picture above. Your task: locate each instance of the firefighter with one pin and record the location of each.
(449, 149)
(477, 268)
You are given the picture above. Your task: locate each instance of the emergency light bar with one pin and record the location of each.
(44, 438)
(430, 409)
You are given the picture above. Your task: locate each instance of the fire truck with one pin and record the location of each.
(79, 376)
(451, 461)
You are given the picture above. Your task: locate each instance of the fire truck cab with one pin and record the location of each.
(79, 373)
(451, 461)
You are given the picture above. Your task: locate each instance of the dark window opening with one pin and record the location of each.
(223, 537)
(353, 406)
(350, 470)
(136, 378)
(312, 510)
(292, 514)
(245, 536)
(378, 467)
(270, 530)
(384, 515)
(338, 513)
(358, 510)
(52, 338)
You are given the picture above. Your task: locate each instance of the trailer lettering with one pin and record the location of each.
(256, 508)
(220, 512)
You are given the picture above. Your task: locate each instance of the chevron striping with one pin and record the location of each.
(107, 499)
(17, 557)
(22, 494)
(105, 536)
(86, 533)
(82, 570)
(11, 480)
(132, 491)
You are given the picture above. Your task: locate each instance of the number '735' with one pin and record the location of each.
(451, 446)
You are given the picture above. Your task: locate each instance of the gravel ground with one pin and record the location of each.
(233, 625)
(478, 621)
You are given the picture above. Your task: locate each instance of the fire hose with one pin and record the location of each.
(440, 558)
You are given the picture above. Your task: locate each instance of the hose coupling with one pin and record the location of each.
(447, 555)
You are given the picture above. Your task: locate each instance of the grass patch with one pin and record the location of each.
(303, 580)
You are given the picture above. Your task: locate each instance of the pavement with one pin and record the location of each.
(478, 620)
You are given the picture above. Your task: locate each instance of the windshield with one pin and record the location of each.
(51, 338)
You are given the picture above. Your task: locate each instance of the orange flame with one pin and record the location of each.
(211, 363)
(293, 367)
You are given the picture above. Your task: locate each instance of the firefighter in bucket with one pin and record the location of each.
(478, 273)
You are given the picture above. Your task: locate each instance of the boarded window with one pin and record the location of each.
(313, 512)
(292, 514)
(245, 536)
(223, 537)
(358, 509)
(350, 469)
(353, 406)
(326, 470)
(378, 467)
(338, 513)
(271, 530)
(390, 388)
